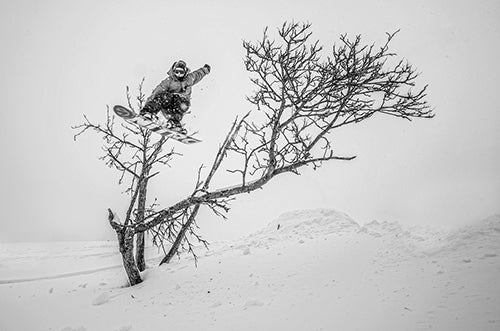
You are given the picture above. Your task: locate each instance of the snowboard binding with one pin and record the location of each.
(164, 126)
(167, 120)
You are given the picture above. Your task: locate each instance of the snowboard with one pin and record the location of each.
(132, 117)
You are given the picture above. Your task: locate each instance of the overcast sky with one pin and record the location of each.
(63, 59)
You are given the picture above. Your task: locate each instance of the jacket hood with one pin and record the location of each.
(176, 64)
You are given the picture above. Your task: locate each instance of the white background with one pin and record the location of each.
(61, 59)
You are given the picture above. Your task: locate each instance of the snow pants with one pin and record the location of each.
(172, 105)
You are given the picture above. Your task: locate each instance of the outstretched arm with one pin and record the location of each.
(197, 75)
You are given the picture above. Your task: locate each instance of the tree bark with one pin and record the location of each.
(141, 213)
(126, 244)
(126, 240)
(139, 253)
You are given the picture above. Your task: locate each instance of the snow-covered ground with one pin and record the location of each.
(307, 270)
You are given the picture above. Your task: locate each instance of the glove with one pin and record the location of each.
(206, 66)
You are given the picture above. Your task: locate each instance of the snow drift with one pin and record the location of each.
(306, 270)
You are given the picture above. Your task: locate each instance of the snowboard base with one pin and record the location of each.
(132, 117)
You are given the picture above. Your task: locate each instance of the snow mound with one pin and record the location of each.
(415, 240)
(296, 226)
(489, 227)
(484, 234)
(379, 229)
(419, 235)
(312, 221)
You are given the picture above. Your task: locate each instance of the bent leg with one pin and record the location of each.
(175, 109)
(180, 103)
(156, 104)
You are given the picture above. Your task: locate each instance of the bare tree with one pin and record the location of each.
(133, 151)
(301, 98)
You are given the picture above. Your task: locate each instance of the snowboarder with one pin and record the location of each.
(173, 95)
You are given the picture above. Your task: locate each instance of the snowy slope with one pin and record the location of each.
(307, 270)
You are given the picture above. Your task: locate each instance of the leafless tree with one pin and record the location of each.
(303, 94)
(134, 152)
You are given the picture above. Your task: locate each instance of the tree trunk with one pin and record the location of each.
(180, 237)
(141, 213)
(126, 242)
(139, 252)
(173, 249)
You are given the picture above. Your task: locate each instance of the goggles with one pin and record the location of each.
(179, 72)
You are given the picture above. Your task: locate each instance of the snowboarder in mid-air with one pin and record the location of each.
(173, 95)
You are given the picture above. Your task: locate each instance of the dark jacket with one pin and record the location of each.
(172, 84)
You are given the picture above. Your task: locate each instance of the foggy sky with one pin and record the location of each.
(63, 59)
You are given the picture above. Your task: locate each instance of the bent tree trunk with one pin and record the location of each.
(180, 237)
(126, 244)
